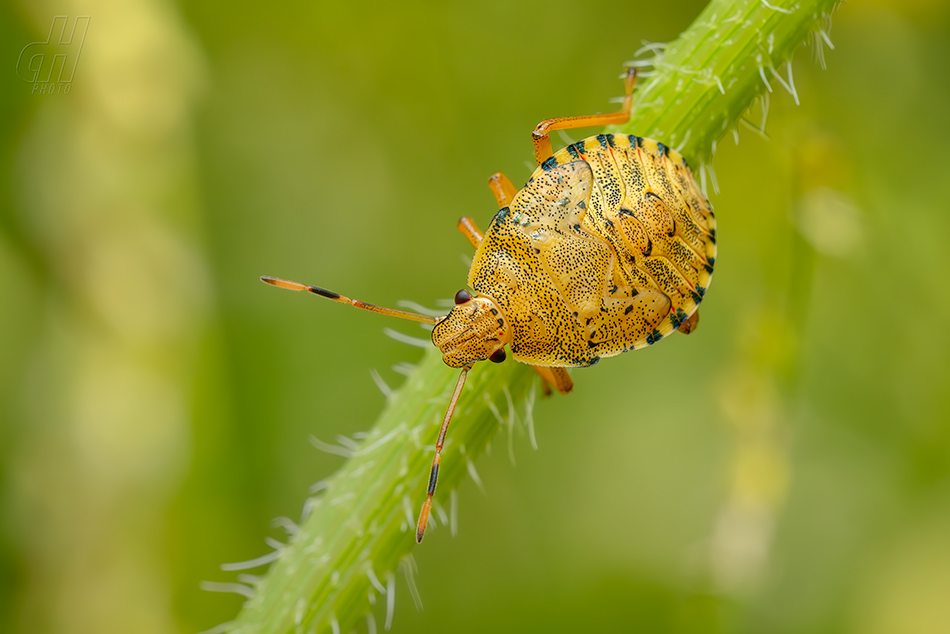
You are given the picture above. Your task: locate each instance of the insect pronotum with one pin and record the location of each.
(609, 247)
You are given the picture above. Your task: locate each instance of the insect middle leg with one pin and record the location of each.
(467, 226)
(558, 378)
(502, 188)
(542, 142)
(504, 191)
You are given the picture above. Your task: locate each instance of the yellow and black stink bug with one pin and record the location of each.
(609, 247)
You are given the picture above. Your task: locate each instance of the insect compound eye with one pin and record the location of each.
(497, 356)
(462, 296)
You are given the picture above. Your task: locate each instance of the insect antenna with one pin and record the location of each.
(434, 472)
(322, 292)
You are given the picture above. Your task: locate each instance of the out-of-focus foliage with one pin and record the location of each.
(784, 469)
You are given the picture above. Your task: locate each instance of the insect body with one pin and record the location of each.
(609, 247)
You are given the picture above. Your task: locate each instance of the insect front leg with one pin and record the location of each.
(542, 142)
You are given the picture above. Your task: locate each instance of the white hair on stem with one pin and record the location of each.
(373, 579)
(390, 599)
(275, 544)
(381, 384)
(762, 74)
(404, 368)
(249, 579)
(308, 505)
(407, 509)
(791, 82)
(719, 83)
(494, 409)
(440, 511)
(779, 9)
(639, 63)
(422, 310)
(683, 142)
(783, 83)
(752, 126)
(410, 568)
(565, 137)
(331, 449)
(712, 178)
(263, 560)
(529, 414)
(655, 47)
(407, 339)
(473, 474)
(347, 442)
(289, 526)
(235, 588)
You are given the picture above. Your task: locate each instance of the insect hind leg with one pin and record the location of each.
(542, 142)
(558, 378)
(689, 324)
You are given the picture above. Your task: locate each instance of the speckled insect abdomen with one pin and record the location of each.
(609, 247)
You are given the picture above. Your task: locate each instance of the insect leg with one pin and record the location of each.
(542, 142)
(558, 378)
(502, 188)
(690, 324)
(434, 472)
(504, 191)
(470, 230)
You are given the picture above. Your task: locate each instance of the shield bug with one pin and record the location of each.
(609, 247)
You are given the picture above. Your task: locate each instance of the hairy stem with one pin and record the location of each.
(359, 530)
(363, 523)
(703, 82)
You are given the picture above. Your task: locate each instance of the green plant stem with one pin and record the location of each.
(362, 526)
(706, 79)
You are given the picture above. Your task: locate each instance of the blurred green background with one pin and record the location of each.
(784, 469)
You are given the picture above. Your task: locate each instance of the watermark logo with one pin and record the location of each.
(51, 65)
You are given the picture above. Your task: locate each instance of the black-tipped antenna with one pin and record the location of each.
(322, 292)
(434, 471)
